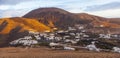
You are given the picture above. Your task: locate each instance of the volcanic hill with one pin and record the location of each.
(55, 17)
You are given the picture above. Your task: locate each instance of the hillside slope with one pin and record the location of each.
(7, 24)
(115, 20)
(14, 28)
(53, 17)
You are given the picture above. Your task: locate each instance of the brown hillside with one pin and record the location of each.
(90, 17)
(53, 16)
(7, 24)
(115, 20)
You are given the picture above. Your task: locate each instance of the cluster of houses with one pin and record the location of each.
(63, 39)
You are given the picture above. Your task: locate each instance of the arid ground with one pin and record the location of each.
(12, 52)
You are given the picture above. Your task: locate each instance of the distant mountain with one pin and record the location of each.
(55, 17)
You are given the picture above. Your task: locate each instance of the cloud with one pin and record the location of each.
(1, 13)
(13, 13)
(12, 8)
(113, 5)
(12, 2)
(109, 10)
(4, 7)
(110, 13)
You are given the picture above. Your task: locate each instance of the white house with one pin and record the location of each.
(116, 49)
(69, 48)
(92, 47)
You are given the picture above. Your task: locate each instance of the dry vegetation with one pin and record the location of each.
(48, 53)
(8, 24)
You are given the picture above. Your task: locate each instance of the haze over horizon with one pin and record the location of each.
(104, 8)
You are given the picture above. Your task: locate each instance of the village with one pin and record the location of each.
(74, 38)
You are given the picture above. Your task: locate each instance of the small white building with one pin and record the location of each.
(69, 48)
(116, 49)
(92, 47)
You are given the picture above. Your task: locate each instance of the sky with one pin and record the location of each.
(104, 8)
